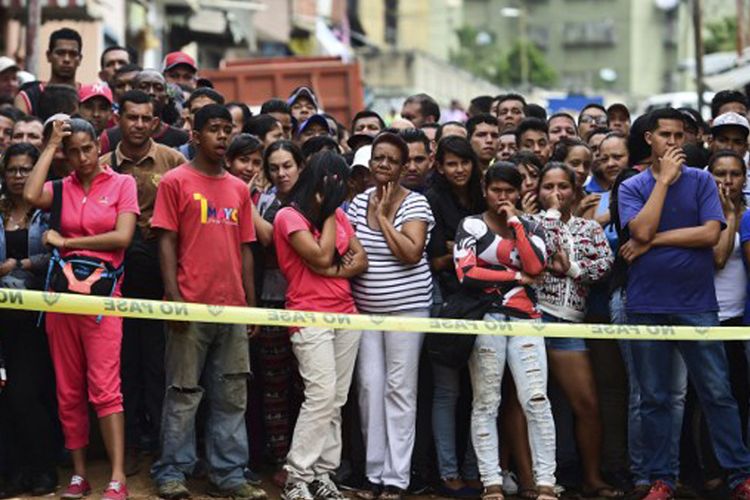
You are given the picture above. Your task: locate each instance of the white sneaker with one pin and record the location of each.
(323, 488)
(296, 491)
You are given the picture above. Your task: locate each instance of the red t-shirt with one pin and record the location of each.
(306, 290)
(93, 213)
(212, 218)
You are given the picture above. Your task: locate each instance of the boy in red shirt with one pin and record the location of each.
(203, 215)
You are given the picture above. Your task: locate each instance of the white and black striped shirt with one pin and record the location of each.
(389, 285)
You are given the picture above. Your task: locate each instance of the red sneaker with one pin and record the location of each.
(742, 491)
(659, 491)
(78, 488)
(115, 491)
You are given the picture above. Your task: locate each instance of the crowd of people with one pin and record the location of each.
(148, 184)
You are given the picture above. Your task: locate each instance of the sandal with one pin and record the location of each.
(546, 493)
(494, 492)
(603, 492)
(392, 493)
(527, 493)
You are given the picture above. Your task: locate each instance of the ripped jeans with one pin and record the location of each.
(527, 359)
(213, 359)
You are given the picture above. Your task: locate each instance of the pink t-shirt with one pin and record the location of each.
(212, 217)
(93, 213)
(306, 290)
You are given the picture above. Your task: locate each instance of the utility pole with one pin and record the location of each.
(523, 28)
(33, 20)
(740, 26)
(698, 34)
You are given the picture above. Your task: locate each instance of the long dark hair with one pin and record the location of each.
(460, 147)
(282, 145)
(326, 174)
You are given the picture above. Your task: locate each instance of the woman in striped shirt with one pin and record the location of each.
(393, 225)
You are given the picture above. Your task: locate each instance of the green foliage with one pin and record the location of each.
(479, 54)
(720, 35)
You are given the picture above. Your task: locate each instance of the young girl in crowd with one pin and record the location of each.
(318, 253)
(501, 255)
(728, 168)
(529, 165)
(393, 225)
(245, 160)
(86, 350)
(730, 280)
(577, 155)
(282, 165)
(28, 396)
(456, 193)
(581, 257)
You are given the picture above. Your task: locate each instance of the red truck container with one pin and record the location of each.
(337, 84)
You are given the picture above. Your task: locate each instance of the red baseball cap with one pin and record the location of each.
(176, 58)
(92, 90)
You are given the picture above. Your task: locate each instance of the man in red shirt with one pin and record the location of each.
(204, 218)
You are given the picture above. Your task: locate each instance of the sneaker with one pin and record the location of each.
(44, 484)
(115, 491)
(659, 491)
(296, 491)
(742, 491)
(244, 491)
(173, 490)
(324, 489)
(78, 488)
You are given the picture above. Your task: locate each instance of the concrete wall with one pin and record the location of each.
(428, 26)
(399, 74)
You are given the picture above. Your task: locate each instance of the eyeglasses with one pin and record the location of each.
(19, 172)
(599, 120)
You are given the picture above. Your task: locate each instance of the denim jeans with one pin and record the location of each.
(677, 392)
(527, 359)
(447, 388)
(707, 365)
(213, 359)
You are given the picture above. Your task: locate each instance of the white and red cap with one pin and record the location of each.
(176, 58)
(92, 90)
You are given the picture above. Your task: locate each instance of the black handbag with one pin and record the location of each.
(77, 274)
(452, 349)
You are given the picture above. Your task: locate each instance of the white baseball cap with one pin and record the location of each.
(362, 157)
(7, 63)
(730, 119)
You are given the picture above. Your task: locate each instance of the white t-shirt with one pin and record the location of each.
(731, 284)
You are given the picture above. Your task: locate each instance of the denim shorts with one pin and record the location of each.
(562, 344)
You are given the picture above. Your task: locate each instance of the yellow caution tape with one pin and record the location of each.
(182, 311)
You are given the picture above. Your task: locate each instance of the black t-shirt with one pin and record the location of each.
(17, 244)
(448, 213)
